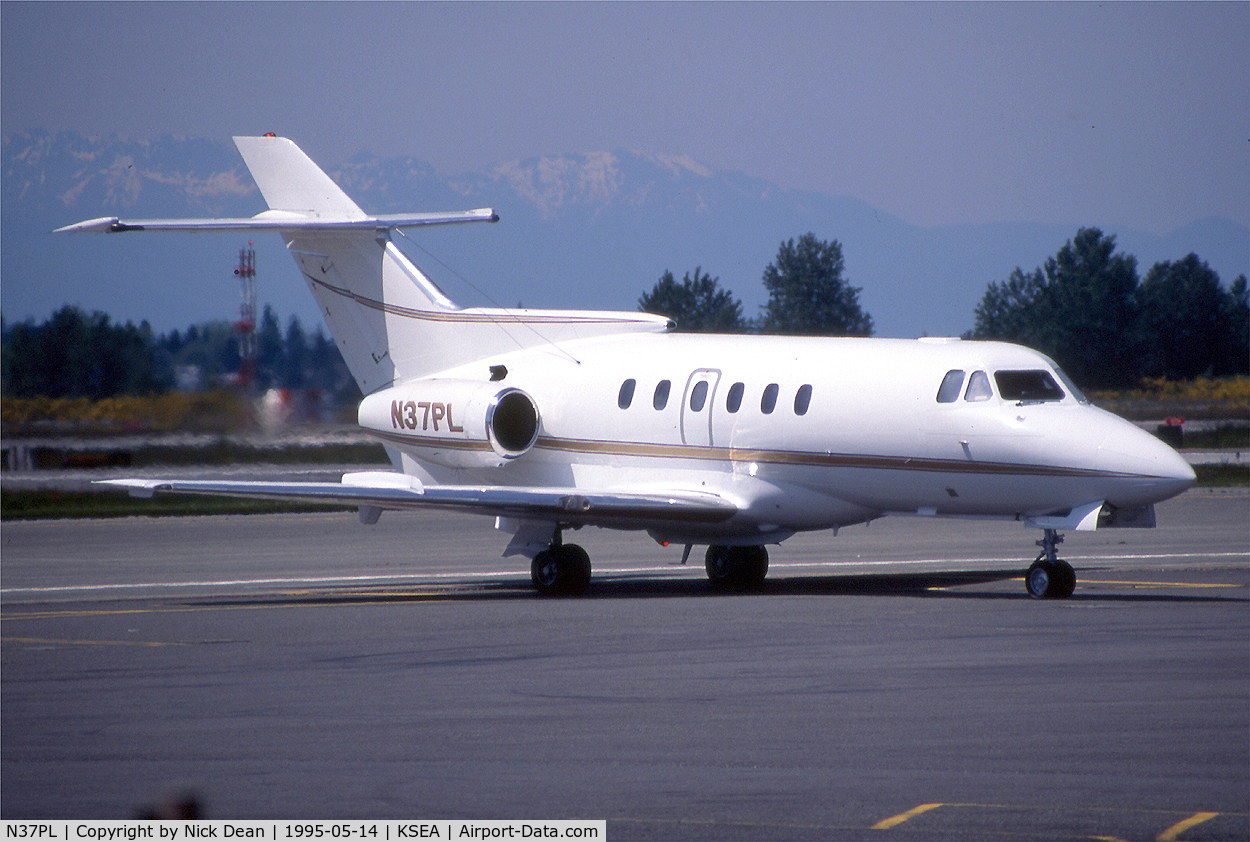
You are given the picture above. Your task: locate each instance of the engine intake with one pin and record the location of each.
(458, 423)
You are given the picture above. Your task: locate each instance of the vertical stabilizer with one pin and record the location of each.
(389, 320)
(290, 181)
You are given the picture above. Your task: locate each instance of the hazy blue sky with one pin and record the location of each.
(1102, 114)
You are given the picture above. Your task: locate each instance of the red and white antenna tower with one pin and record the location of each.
(245, 327)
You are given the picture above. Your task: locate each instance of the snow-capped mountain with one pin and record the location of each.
(592, 230)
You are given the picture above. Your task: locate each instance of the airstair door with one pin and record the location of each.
(696, 407)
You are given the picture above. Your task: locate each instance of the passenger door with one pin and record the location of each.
(696, 407)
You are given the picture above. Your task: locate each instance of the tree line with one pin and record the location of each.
(1085, 307)
(807, 296)
(79, 354)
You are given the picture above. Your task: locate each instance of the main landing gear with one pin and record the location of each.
(736, 568)
(561, 569)
(564, 569)
(1050, 577)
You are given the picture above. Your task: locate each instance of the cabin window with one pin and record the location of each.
(660, 399)
(698, 396)
(626, 395)
(769, 401)
(948, 392)
(733, 402)
(1027, 386)
(803, 399)
(979, 387)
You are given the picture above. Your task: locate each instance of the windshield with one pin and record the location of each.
(1070, 386)
(1027, 386)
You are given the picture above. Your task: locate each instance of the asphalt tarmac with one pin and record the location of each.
(892, 682)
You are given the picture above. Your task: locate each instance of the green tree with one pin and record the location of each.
(329, 372)
(808, 295)
(1182, 320)
(295, 356)
(1080, 309)
(74, 354)
(213, 347)
(1235, 347)
(270, 360)
(697, 305)
(1006, 310)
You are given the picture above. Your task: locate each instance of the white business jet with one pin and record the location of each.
(552, 420)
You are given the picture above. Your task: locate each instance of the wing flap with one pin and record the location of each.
(380, 490)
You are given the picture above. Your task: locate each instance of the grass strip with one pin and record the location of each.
(1223, 475)
(57, 505)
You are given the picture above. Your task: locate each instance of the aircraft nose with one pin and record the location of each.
(1152, 471)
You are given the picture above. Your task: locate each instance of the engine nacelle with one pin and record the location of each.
(457, 423)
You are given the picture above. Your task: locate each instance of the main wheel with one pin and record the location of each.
(562, 570)
(719, 564)
(754, 565)
(1050, 580)
(736, 568)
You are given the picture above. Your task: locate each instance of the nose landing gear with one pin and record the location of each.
(1050, 577)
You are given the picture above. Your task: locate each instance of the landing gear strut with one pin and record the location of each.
(1050, 577)
(561, 570)
(736, 568)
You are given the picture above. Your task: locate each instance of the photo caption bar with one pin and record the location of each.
(283, 831)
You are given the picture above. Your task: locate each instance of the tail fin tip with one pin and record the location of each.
(290, 181)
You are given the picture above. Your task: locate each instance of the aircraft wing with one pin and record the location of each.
(375, 491)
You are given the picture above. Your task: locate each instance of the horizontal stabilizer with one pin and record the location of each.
(382, 490)
(281, 221)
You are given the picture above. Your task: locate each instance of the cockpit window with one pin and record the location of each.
(978, 387)
(948, 392)
(1070, 386)
(1027, 386)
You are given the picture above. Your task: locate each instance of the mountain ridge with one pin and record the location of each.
(590, 230)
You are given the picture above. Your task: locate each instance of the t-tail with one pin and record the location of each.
(390, 321)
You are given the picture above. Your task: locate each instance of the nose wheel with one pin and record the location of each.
(1050, 577)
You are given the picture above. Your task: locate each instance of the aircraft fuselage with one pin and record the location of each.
(799, 433)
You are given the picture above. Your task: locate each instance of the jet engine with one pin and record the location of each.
(457, 423)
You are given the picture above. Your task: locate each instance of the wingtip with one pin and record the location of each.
(102, 224)
(141, 488)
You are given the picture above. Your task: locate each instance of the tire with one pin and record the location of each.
(736, 568)
(545, 571)
(577, 569)
(1067, 580)
(754, 567)
(561, 571)
(720, 567)
(1050, 580)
